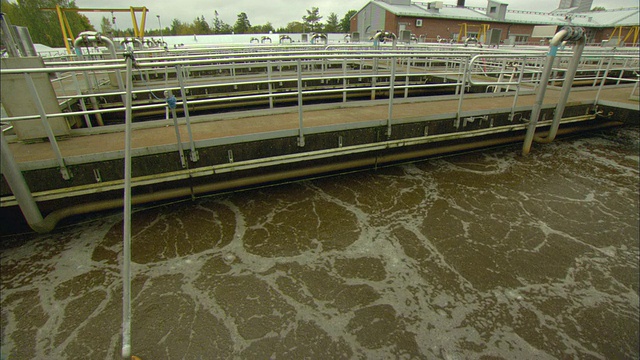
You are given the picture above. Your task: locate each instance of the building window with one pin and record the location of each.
(492, 10)
(521, 39)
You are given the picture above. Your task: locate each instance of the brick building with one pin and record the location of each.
(433, 21)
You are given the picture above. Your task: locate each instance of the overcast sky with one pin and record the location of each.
(278, 12)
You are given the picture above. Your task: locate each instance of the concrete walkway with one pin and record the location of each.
(354, 112)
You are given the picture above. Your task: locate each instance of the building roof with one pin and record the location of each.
(607, 18)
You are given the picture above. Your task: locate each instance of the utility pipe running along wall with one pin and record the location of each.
(565, 34)
(52, 219)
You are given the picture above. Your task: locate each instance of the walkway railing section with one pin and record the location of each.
(203, 79)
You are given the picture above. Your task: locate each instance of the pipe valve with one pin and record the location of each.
(573, 33)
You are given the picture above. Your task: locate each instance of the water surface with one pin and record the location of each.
(483, 255)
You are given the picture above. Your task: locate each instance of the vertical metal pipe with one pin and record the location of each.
(126, 246)
(572, 68)
(270, 84)
(301, 128)
(392, 80)
(66, 174)
(19, 187)
(87, 119)
(406, 79)
(515, 98)
(537, 105)
(604, 80)
(183, 91)
(463, 85)
(344, 80)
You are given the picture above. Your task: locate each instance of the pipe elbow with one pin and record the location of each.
(558, 37)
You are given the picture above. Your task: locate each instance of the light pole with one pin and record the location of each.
(160, 24)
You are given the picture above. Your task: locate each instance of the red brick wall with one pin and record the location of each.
(445, 28)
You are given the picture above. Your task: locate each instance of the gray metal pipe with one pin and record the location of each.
(20, 189)
(564, 94)
(565, 34)
(126, 248)
(384, 34)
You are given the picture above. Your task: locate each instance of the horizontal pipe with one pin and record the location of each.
(52, 219)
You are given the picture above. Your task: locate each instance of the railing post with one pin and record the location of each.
(300, 120)
(66, 174)
(270, 84)
(83, 106)
(344, 80)
(463, 85)
(604, 80)
(193, 155)
(515, 97)
(392, 79)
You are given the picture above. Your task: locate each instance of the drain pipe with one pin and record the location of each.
(565, 34)
(566, 88)
(20, 189)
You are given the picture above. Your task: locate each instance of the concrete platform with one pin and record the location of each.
(146, 135)
(249, 148)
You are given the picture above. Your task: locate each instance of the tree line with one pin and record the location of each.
(311, 22)
(44, 26)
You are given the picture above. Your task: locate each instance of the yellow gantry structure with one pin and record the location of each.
(482, 31)
(138, 31)
(631, 31)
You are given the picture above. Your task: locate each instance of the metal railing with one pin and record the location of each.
(204, 79)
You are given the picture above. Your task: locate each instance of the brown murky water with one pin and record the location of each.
(478, 256)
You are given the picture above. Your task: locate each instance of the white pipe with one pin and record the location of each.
(126, 247)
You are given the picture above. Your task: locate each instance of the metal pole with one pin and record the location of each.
(564, 93)
(19, 188)
(194, 153)
(392, 79)
(160, 24)
(537, 105)
(171, 104)
(269, 70)
(126, 248)
(604, 80)
(66, 174)
(462, 88)
(301, 128)
(515, 97)
(87, 119)
(344, 80)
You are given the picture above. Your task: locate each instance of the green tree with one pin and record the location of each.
(345, 23)
(201, 27)
(242, 24)
(598, 8)
(106, 27)
(43, 26)
(176, 27)
(293, 27)
(262, 29)
(332, 25)
(312, 19)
